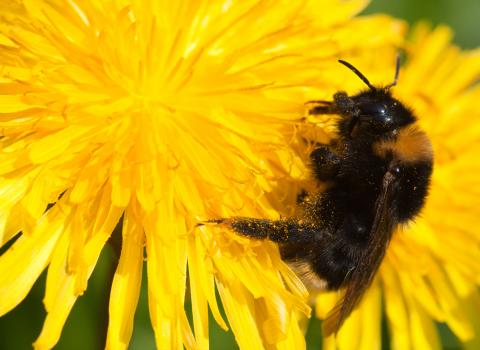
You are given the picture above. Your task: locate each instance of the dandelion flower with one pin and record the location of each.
(431, 271)
(157, 115)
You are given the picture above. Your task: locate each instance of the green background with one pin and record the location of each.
(85, 328)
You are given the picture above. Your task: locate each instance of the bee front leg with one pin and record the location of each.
(344, 104)
(322, 107)
(280, 231)
(325, 163)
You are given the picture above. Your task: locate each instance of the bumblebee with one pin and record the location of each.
(378, 172)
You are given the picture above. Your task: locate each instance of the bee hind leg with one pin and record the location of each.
(280, 231)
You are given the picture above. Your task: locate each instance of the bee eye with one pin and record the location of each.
(374, 109)
(377, 116)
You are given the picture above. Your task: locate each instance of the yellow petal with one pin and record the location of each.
(126, 285)
(59, 297)
(166, 267)
(65, 282)
(240, 312)
(21, 265)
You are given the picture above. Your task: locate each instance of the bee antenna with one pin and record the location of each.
(397, 72)
(357, 72)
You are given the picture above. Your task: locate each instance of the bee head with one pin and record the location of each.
(379, 114)
(376, 112)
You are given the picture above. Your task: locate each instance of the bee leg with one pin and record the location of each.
(326, 107)
(344, 104)
(325, 163)
(280, 231)
(319, 102)
(302, 196)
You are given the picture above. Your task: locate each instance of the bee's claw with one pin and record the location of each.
(213, 221)
(323, 102)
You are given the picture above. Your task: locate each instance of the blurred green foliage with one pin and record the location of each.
(85, 327)
(461, 15)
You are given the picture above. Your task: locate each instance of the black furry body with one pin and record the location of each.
(346, 210)
(377, 171)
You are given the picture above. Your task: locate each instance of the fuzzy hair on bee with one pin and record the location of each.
(378, 172)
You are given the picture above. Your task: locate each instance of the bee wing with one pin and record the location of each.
(358, 281)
